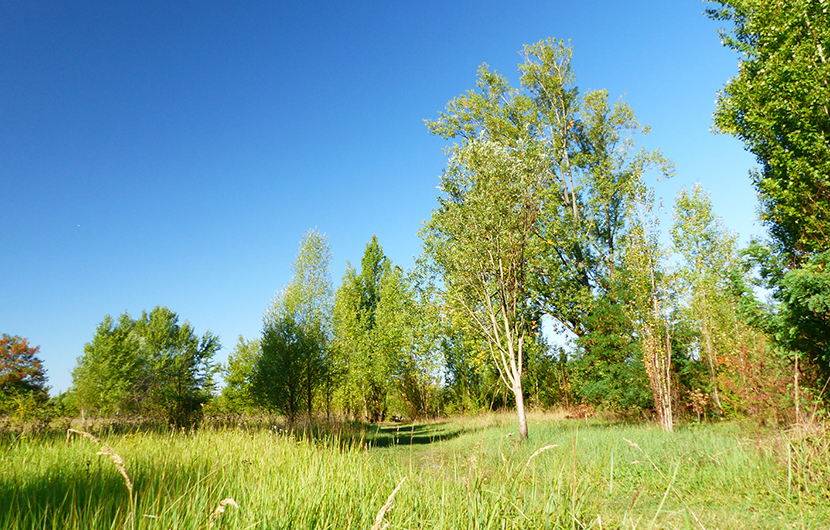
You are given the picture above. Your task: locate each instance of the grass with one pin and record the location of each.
(455, 473)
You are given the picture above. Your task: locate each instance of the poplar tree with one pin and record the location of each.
(296, 332)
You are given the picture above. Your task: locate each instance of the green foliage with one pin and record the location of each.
(709, 256)
(409, 331)
(548, 375)
(364, 345)
(540, 199)
(22, 376)
(609, 371)
(281, 372)
(152, 365)
(238, 374)
(805, 321)
(778, 106)
(295, 361)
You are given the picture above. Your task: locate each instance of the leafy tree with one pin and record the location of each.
(152, 365)
(480, 239)
(408, 331)
(238, 373)
(347, 343)
(22, 375)
(279, 381)
(650, 305)
(113, 376)
(778, 106)
(609, 369)
(559, 173)
(709, 253)
(364, 349)
(296, 332)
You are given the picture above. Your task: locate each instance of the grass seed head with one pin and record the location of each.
(220, 509)
(106, 450)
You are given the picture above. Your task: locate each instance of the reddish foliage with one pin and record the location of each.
(20, 368)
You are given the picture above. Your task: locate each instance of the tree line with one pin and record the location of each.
(546, 221)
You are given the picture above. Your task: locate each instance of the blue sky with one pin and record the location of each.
(174, 153)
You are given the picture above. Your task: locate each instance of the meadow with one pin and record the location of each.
(451, 473)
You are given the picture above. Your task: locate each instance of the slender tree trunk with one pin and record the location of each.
(520, 408)
(711, 360)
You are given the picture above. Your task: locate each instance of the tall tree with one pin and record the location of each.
(280, 374)
(362, 347)
(649, 308)
(296, 333)
(563, 167)
(778, 106)
(408, 334)
(480, 238)
(709, 253)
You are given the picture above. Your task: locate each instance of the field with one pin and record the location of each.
(454, 473)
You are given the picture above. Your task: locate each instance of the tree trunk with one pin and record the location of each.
(711, 361)
(520, 408)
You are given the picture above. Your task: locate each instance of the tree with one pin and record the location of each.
(152, 365)
(296, 333)
(480, 239)
(180, 377)
(21, 372)
(362, 347)
(112, 376)
(709, 253)
(778, 106)
(407, 333)
(609, 366)
(239, 374)
(280, 374)
(560, 171)
(649, 307)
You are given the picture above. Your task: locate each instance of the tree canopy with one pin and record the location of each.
(151, 365)
(778, 106)
(21, 372)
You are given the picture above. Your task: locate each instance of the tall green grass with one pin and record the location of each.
(458, 473)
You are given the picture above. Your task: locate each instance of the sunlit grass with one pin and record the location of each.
(459, 473)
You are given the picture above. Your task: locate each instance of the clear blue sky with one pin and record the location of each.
(174, 153)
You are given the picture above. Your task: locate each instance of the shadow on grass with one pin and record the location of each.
(385, 435)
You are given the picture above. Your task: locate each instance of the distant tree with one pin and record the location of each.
(239, 373)
(650, 308)
(347, 344)
(408, 333)
(152, 365)
(295, 361)
(609, 371)
(113, 376)
(22, 375)
(279, 382)
(363, 355)
(709, 253)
